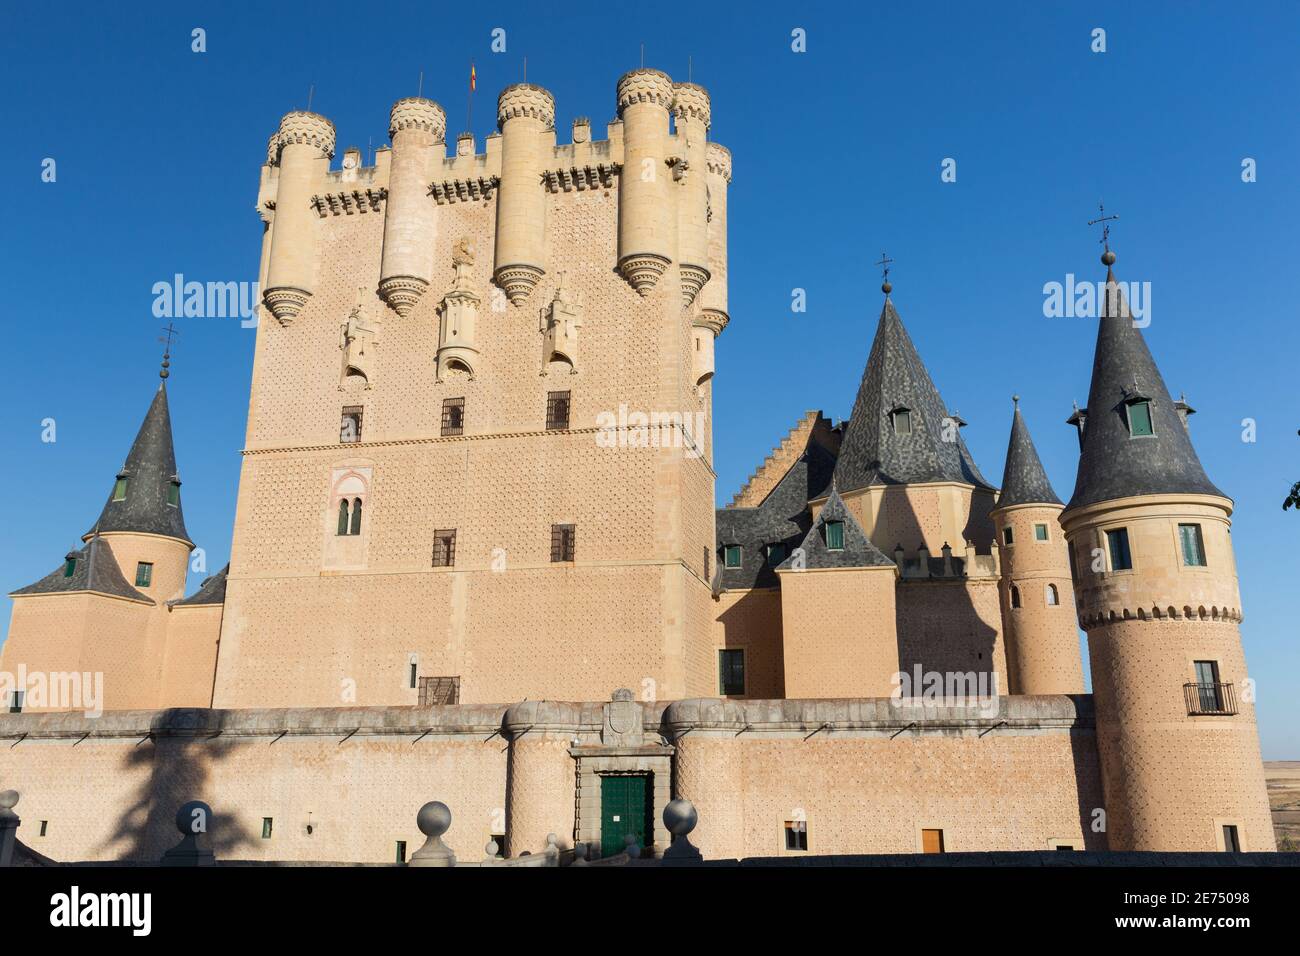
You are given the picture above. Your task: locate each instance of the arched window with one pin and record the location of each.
(356, 515)
(1015, 596)
(343, 516)
(1053, 596)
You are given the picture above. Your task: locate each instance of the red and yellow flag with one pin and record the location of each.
(473, 77)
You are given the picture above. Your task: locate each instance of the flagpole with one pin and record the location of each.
(469, 100)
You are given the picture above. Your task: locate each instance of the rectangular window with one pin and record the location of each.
(1040, 532)
(453, 416)
(266, 828)
(1189, 535)
(707, 569)
(439, 690)
(835, 535)
(350, 426)
(775, 554)
(16, 701)
(414, 672)
(1231, 842)
(45, 825)
(401, 851)
(796, 835)
(731, 556)
(931, 841)
(444, 548)
(174, 493)
(1139, 419)
(69, 567)
(902, 422)
(731, 672)
(1007, 536)
(1209, 692)
(1117, 543)
(562, 539)
(143, 574)
(119, 488)
(557, 410)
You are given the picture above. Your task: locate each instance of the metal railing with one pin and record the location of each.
(1210, 700)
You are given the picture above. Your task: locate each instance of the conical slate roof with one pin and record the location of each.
(1112, 464)
(211, 591)
(1024, 481)
(96, 569)
(896, 378)
(858, 551)
(150, 469)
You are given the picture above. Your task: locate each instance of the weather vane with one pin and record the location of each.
(170, 329)
(1107, 257)
(884, 262)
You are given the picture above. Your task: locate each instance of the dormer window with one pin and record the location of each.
(1139, 418)
(835, 536)
(174, 492)
(119, 489)
(901, 418)
(775, 554)
(731, 556)
(70, 565)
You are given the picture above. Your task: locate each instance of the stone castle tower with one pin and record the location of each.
(1157, 595)
(1037, 591)
(431, 494)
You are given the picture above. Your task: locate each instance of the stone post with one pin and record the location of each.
(192, 822)
(9, 822)
(434, 819)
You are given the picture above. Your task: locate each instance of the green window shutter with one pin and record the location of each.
(174, 493)
(143, 574)
(119, 490)
(1193, 546)
(1139, 419)
(775, 554)
(1120, 559)
(731, 556)
(835, 535)
(69, 567)
(1040, 532)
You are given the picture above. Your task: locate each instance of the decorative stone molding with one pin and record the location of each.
(285, 302)
(715, 320)
(463, 190)
(416, 112)
(692, 100)
(693, 279)
(273, 149)
(518, 280)
(1199, 614)
(301, 127)
(357, 339)
(600, 176)
(642, 270)
(645, 86)
(402, 292)
(524, 99)
(348, 202)
(719, 160)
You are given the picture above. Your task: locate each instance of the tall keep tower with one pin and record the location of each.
(493, 395)
(1157, 585)
(1037, 594)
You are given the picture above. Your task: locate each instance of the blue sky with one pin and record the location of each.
(837, 154)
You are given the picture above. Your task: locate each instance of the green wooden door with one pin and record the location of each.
(624, 809)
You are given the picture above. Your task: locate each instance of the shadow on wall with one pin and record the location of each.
(1087, 778)
(938, 624)
(754, 624)
(174, 763)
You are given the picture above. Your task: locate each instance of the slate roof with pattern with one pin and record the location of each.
(1023, 479)
(211, 591)
(858, 551)
(96, 570)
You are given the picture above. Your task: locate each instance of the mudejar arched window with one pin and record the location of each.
(1053, 596)
(1015, 596)
(343, 516)
(356, 516)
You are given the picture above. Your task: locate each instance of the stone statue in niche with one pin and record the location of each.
(357, 338)
(561, 321)
(457, 350)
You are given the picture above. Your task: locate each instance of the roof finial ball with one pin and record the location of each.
(1108, 258)
(884, 262)
(1015, 400)
(167, 350)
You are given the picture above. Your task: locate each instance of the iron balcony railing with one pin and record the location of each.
(1210, 700)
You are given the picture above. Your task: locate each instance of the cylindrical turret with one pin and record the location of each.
(1042, 638)
(306, 143)
(526, 117)
(713, 297)
(644, 204)
(417, 127)
(691, 110)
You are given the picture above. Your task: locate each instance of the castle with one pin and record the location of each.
(477, 495)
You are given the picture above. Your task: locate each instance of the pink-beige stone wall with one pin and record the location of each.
(838, 634)
(874, 795)
(751, 620)
(190, 658)
(952, 626)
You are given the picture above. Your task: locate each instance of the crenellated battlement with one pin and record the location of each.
(525, 99)
(303, 128)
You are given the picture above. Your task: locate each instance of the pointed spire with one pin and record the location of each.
(900, 430)
(1115, 462)
(145, 496)
(1023, 479)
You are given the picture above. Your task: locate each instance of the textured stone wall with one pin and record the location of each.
(838, 632)
(190, 658)
(751, 620)
(951, 626)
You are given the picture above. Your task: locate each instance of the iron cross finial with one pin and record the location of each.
(1105, 221)
(884, 263)
(170, 329)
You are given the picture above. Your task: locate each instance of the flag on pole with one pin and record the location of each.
(473, 77)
